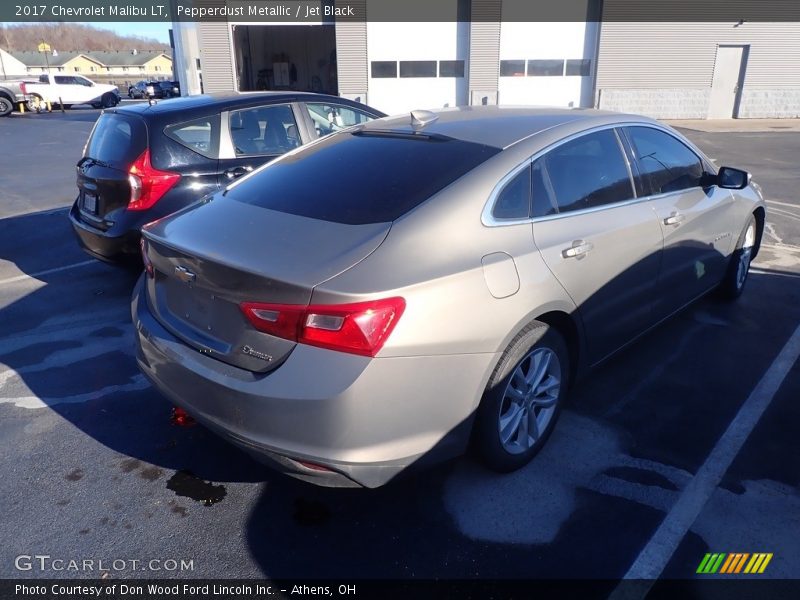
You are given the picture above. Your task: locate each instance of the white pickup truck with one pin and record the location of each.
(71, 89)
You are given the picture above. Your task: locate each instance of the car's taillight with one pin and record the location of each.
(23, 88)
(359, 328)
(148, 264)
(148, 184)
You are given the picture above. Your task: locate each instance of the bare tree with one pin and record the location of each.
(69, 37)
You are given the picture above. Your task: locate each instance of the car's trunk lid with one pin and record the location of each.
(211, 258)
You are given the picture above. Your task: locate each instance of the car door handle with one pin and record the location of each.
(674, 219)
(578, 250)
(235, 172)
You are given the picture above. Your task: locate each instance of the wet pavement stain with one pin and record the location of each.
(178, 509)
(187, 484)
(129, 464)
(310, 512)
(84, 531)
(74, 475)
(151, 473)
(62, 502)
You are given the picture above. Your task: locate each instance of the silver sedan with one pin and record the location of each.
(390, 295)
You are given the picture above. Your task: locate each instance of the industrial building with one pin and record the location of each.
(484, 55)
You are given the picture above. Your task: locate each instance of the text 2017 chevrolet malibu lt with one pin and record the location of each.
(386, 295)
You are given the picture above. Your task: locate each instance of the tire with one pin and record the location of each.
(108, 101)
(735, 278)
(35, 103)
(537, 361)
(6, 107)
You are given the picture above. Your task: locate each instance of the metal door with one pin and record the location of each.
(727, 82)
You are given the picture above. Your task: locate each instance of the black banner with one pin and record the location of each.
(711, 588)
(328, 11)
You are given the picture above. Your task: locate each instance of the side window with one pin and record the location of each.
(64, 80)
(544, 202)
(666, 164)
(513, 201)
(264, 130)
(588, 171)
(328, 118)
(200, 135)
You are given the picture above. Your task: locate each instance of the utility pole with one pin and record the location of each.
(44, 48)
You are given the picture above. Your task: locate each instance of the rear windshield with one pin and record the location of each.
(357, 179)
(117, 140)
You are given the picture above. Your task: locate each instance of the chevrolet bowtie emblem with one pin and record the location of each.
(185, 275)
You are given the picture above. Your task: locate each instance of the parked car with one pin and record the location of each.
(138, 90)
(376, 300)
(71, 89)
(143, 162)
(169, 89)
(154, 89)
(11, 95)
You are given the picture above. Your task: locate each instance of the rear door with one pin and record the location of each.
(695, 220)
(190, 148)
(256, 135)
(102, 173)
(600, 241)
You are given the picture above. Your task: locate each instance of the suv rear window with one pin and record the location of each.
(117, 140)
(361, 177)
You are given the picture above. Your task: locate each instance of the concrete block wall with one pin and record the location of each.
(657, 103)
(770, 103)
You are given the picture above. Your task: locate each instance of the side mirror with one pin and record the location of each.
(732, 179)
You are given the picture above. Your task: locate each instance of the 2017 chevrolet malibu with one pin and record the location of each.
(383, 296)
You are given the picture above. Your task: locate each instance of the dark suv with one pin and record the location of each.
(143, 162)
(154, 89)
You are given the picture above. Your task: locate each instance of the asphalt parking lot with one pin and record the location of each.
(92, 467)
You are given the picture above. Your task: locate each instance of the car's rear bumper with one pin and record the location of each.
(355, 420)
(115, 245)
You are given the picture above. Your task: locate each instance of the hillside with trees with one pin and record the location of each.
(68, 37)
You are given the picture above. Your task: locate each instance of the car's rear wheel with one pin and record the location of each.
(732, 284)
(36, 103)
(6, 107)
(523, 398)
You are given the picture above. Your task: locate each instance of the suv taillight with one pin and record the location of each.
(358, 328)
(23, 88)
(148, 184)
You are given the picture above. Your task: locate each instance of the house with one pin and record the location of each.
(135, 63)
(10, 67)
(132, 64)
(68, 62)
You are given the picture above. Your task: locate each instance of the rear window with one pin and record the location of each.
(200, 135)
(117, 140)
(361, 178)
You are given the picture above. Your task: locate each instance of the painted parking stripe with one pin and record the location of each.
(656, 554)
(47, 272)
